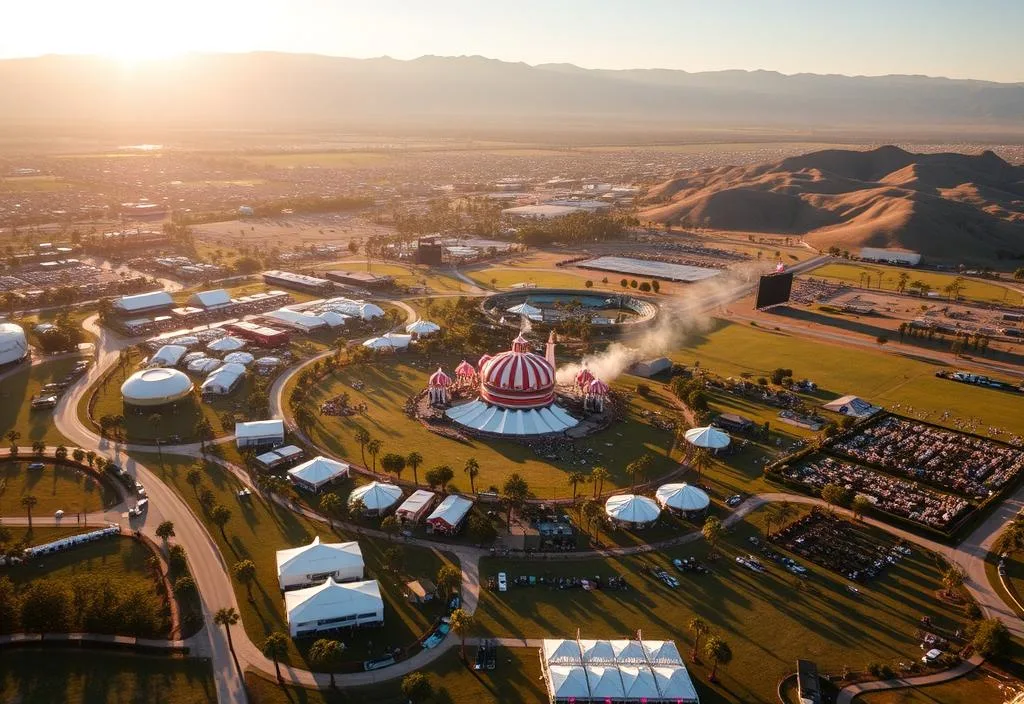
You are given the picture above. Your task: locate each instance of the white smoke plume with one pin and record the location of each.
(680, 316)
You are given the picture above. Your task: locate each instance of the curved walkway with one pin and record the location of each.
(850, 692)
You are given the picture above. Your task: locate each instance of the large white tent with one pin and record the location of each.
(204, 365)
(682, 497)
(226, 344)
(330, 606)
(155, 387)
(377, 497)
(223, 380)
(313, 563)
(852, 406)
(707, 437)
(295, 320)
(333, 318)
(167, 356)
(388, 341)
(13, 344)
(315, 473)
(259, 433)
(632, 509)
(354, 308)
(525, 309)
(243, 358)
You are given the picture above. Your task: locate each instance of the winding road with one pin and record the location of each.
(216, 589)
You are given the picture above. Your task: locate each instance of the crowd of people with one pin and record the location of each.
(838, 545)
(899, 497)
(963, 464)
(812, 290)
(340, 406)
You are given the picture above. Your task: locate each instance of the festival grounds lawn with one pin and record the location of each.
(974, 289)
(514, 680)
(17, 388)
(767, 620)
(970, 689)
(123, 558)
(508, 277)
(21, 535)
(55, 487)
(258, 529)
(730, 349)
(37, 676)
(387, 384)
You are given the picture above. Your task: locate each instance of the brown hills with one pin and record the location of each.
(947, 206)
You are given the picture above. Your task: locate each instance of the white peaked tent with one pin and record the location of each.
(333, 318)
(315, 473)
(311, 564)
(167, 356)
(524, 309)
(243, 358)
(226, 344)
(662, 652)
(330, 605)
(707, 437)
(568, 683)
(682, 497)
(597, 651)
(605, 682)
(628, 652)
(203, 365)
(852, 406)
(638, 683)
(630, 508)
(377, 497)
(388, 341)
(422, 328)
(561, 651)
(674, 684)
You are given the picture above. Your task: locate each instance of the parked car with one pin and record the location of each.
(36, 465)
(502, 582)
(734, 500)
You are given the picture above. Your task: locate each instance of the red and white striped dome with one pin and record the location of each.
(439, 379)
(598, 388)
(483, 360)
(518, 378)
(584, 377)
(465, 369)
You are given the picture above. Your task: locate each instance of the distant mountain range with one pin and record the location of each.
(957, 207)
(269, 89)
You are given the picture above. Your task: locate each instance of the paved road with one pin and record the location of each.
(850, 692)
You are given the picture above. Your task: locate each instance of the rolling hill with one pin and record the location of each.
(948, 206)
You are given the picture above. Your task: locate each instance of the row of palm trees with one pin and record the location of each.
(715, 649)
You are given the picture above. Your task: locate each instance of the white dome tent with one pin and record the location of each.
(377, 497)
(633, 510)
(707, 437)
(13, 345)
(226, 344)
(243, 358)
(203, 365)
(682, 498)
(155, 387)
(422, 328)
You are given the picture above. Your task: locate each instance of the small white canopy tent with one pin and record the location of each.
(377, 497)
(524, 309)
(333, 318)
(682, 497)
(203, 365)
(422, 328)
(707, 437)
(852, 406)
(330, 606)
(315, 473)
(313, 563)
(226, 344)
(632, 509)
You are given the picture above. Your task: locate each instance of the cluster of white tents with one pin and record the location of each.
(616, 670)
(331, 312)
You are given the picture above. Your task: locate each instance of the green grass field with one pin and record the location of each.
(851, 273)
(387, 384)
(970, 689)
(435, 279)
(55, 486)
(35, 676)
(122, 558)
(508, 277)
(730, 349)
(258, 529)
(766, 619)
(514, 680)
(15, 391)
(16, 535)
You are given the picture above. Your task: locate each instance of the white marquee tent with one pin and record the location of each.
(377, 497)
(226, 344)
(852, 406)
(707, 437)
(243, 358)
(330, 606)
(422, 328)
(313, 563)
(568, 683)
(388, 341)
(167, 356)
(315, 473)
(682, 497)
(633, 509)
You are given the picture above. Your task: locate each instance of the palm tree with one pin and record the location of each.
(461, 622)
(227, 617)
(701, 461)
(12, 437)
(953, 579)
(374, 447)
(472, 469)
(28, 502)
(220, 515)
(699, 628)
(330, 503)
(245, 572)
(771, 517)
(194, 479)
(414, 460)
(575, 478)
(275, 647)
(448, 580)
(516, 491)
(362, 437)
(718, 652)
(712, 531)
(326, 655)
(165, 530)
(590, 509)
(1011, 540)
(598, 475)
(39, 447)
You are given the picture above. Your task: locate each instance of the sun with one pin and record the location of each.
(136, 49)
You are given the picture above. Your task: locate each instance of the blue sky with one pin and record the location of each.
(977, 39)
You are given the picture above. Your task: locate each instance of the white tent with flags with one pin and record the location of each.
(633, 509)
(707, 437)
(682, 497)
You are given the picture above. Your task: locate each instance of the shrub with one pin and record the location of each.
(643, 390)
(645, 287)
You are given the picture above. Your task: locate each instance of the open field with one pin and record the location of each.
(868, 275)
(970, 689)
(515, 680)
(43, 676)
(55, 486)
(121, 558)
(389, 382)
(17, 387)
(769, 619)
(258, 529)
(499, 277)
(327, 160)
(42, 534)
(731, 349)
(435, 279)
